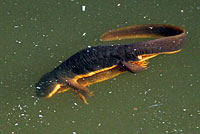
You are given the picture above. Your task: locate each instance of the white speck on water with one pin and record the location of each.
(75, 104)
(40, 115)
(184, 109)
(74, 133)
(16, 26)
(147, 91)
(151, 27)
(155, 105)
(35, 103)
(182, 11)
(45, 35)
(99, 124)
(18, 41)
(89, 46)
(83, 8)
(59, 18)
(118, 4)
(84, 34)
(16, 124)
(1, 82)
(19, 106)
(110, 92)
(38, 87)
(36, 45)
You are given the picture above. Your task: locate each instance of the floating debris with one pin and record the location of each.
(155, 105)
(83, 8)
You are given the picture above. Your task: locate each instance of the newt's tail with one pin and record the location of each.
(170, 38)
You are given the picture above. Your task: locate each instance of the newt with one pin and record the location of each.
(96, 64)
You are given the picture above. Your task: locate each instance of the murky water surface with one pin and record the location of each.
(35, 36)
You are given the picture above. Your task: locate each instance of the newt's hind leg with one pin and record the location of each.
(133, 68)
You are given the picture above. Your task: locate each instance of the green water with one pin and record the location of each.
(35, 36)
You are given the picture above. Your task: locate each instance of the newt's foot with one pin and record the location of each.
(91, 93)
(83, 97)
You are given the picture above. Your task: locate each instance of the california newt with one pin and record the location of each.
(96, 64)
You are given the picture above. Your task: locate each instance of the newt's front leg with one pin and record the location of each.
(78, 87)
(81, 96)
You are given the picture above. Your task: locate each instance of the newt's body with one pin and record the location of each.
(96, 64)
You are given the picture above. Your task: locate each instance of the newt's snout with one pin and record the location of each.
(46, 85)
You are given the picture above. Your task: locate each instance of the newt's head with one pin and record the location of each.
(48, 85)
